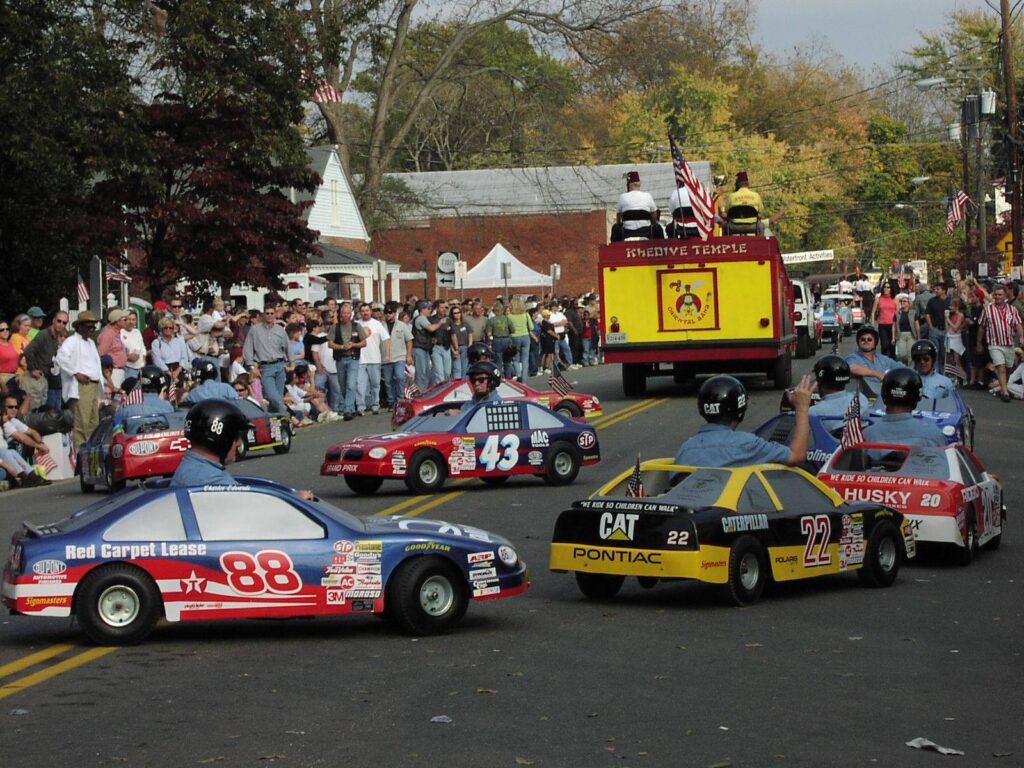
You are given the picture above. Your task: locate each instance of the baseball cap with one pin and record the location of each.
(117, 314)
(106, 361)
(35, 312)
(161, 304)
(422, 304)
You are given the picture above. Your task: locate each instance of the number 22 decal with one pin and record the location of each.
(816, 528)
(492, 458)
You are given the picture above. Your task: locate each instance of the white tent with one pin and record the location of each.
(487, 274)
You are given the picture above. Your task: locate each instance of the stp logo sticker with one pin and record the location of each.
(586, 440)
(343, 547)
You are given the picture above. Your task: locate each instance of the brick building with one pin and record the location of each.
(543, 216)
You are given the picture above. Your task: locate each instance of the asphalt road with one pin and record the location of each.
(819, 673)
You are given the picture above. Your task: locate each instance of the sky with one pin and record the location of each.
(862, 32)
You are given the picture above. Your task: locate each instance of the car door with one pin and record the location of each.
(499, 439)
(982, 495)
(266, 556)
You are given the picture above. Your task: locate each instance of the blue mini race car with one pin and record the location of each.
(249, 551)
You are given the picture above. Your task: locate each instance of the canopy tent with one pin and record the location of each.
(487, 274)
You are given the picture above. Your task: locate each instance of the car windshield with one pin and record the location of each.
(700, 488)
(159, 422)
(434, 421)
(924, 462)
(338, 515)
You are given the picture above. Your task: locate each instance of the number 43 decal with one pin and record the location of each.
(500, 452)
(817, 529)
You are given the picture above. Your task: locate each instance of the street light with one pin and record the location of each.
(920, 224)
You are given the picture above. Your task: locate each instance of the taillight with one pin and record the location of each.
(798, 316)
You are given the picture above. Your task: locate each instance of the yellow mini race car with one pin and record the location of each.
(737, 528)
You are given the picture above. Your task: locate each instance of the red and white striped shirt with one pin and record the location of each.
(999, 323)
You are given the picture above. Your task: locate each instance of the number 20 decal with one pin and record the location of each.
(269, 570)
(815, 528)
(492, 458)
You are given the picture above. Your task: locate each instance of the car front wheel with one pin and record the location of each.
(117, 605)
(427, 596)
(243, 447)
(286, 440)
(426, 472)
(364, 485)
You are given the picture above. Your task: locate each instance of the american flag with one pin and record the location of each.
(115, 274)
(46, 461)
(132, 396)
(558, 382)
(411, 390)
(955, 214)
(635, 484)
(700, 200)
(853, 432)
(83, 290)
(953, 369)
(326, 93)
(172, 390)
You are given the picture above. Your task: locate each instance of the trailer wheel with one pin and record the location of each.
(634, 379)
(803, 344)
(782, 372)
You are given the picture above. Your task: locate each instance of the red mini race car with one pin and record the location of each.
(945, 492)
(458, 391)
(492, 440)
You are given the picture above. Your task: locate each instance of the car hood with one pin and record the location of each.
(456, 534)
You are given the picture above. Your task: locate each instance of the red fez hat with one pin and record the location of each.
(741, 178)
(633, 177)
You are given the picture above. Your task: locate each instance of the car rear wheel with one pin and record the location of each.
(782, 371)
(599, 586)
(569, 408)
(108, 477)
(427, 596)
(748, 572)
(803, 344)
(882, 558)
(86, 487)
(965, 554)
(243, 447)
(117, 605)
(364, 485)
(562, 465)
(286, 440)
(426, 472)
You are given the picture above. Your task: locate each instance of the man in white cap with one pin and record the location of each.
(635, 213)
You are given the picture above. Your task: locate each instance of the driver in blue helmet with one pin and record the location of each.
(152, 381)
(933, 384)
(901, 391)
(209, 385)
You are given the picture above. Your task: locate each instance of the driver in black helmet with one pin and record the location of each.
(933, 384)
(832, 374)
(484, 378)
(901, 391)
(213, 428)
(722, 401)
(153, 382)
(867, 362)
(478, 351)
(209, 385)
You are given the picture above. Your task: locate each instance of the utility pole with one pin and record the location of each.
(1014, 132)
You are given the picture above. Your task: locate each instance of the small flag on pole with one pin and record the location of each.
(83, 290)
(954, 370)
(132, 396)
(558, 382)
(46, 461)
(635, 485)
(115, 274)
(853, 431)
(700, 200)
(955, 213)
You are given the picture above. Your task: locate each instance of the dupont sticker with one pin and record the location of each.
(143, 448)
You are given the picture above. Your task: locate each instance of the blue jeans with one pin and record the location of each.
(421, 359)
(348, 381)
(272, 376)
(54, 399)
(534, 357)
(499, 344)
(589, 352)
(938, 338)
(328, 382)
(369, 385)
(521, 363)
(394, 378)
(460, 364)
(441, 358)
(563, 347)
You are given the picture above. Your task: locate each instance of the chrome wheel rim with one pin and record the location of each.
(749, 570)
(887, 554)
(562, 464)
(429, 472)
(118, 606)
(436, 596)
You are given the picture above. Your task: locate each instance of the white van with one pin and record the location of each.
(808, 340)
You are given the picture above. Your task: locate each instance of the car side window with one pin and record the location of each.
(541, 418)
(251, 516)
(461, 392)
(159, 520)
(506, 389)
(796, 493)
(496, 417)
(971, 477)
(754, 498)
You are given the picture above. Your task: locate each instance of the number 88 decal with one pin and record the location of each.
(269, 570)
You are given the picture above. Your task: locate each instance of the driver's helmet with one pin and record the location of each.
(204, 370)
(722, 400)
(923, 348)
(214, 425)
(477, 351)
(866, 329)
(152, 379)
(832, 371)
(902, 386)
(488, 369)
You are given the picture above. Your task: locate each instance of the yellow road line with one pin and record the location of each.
(412, 502)
(640, 405)
(434, 503)
(622, 416)
(50, 672)
(33, 659)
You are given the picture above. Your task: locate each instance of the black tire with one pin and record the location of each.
(570, 409)
(782, 371)
(286, 440)
(748, 572)
(803, 343)
(117, 604)
(967, 432)
(495, 482)
(86, 487)
(599, 586)
(364, 485)
(882, 558)
(243, 447)
(993, 544)
(562, 464)
(427, 596)
(965, 554)
(634, 379)
(426, 473)
(108, 478)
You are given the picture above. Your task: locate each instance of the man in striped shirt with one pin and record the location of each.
(1000, 327)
